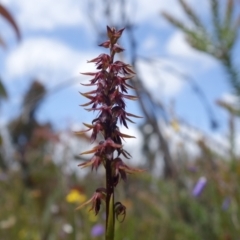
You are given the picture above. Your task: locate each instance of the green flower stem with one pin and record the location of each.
(110, 219)
(110, 222)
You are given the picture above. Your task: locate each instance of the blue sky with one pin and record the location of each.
(58, 39)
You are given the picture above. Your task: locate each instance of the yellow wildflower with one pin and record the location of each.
(74, 196)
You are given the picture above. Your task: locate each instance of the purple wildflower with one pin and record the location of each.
(192, 169)
(97, 230)
(226, 203)
(199, 186)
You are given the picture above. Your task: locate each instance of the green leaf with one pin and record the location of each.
(215, 15)
(111, 220)
(228, 14)
(191, 14)
(174, 21)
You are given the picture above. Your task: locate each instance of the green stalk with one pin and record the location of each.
(110, 220)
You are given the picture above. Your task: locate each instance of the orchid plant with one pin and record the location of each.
(108, 98)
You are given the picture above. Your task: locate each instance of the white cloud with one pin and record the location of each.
(230, 99)
(144, 10)
(45, 14)
(186, 137)
(177, 46)
(150, 43)
(158, 79)
(151, 8)
(46, 59)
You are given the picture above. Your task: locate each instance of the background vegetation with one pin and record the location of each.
(197, 196)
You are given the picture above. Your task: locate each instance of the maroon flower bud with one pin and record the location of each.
(95, 162)
(98, 196)
(121, 169)
(117, 48)
(105, 44)
(120, 210)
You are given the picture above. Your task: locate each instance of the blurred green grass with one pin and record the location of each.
(156, 208)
